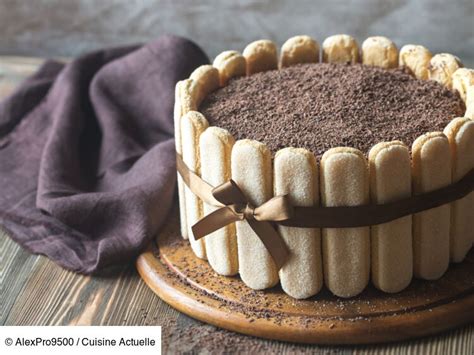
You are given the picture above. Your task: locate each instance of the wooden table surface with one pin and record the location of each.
(35, 291)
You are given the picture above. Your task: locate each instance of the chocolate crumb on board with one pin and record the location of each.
(231, 295)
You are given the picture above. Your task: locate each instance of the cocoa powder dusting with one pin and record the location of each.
(321, 106)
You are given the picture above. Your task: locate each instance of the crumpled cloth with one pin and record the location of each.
(87, 157)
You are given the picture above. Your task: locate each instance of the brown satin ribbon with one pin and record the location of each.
(369, 215)
(236, 207)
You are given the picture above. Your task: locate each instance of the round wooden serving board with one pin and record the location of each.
(189, 284)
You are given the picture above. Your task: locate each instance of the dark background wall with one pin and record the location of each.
(70, 27)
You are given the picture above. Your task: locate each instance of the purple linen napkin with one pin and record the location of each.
(87, 162)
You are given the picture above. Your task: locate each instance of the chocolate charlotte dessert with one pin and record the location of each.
(331, 133)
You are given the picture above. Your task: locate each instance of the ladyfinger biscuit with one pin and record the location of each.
(340, 49)
(442, 67)
(462, 79)
(346, 251)
(206, 79)
(230, 64)
(431, 170)
(416, 58)
(460, 133)
(192, 125)
(215, 146)
(260, 56)
(391, 243)
(296, 174)
(299, 49)
(252, 171)
(380, 52)
(184, 102)
(470, 102)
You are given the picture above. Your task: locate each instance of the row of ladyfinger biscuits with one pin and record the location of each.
(344, 178)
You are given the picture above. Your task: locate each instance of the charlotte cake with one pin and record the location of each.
(249, 131)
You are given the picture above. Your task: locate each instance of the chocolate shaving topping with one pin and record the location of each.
(322, 106)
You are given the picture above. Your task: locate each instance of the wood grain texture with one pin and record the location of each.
(35, 291)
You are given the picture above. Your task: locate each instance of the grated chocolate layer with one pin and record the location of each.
(321, 106)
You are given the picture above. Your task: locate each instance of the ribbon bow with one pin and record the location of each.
(234, 206)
